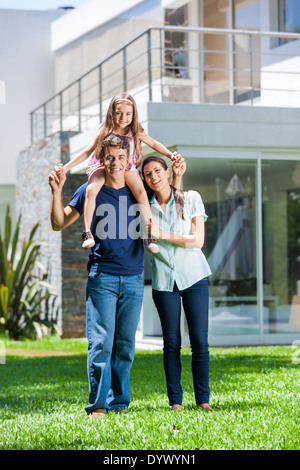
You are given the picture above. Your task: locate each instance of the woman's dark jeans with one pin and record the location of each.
(195, 304)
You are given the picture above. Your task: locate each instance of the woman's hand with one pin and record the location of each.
(154, 229)
(194, 240)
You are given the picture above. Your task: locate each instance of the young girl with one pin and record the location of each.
(121, 119)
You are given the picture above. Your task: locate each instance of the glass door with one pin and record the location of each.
(281, 245)
(228, 190)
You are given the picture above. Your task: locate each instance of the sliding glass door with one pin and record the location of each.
(281, 245)
(228, 190)
(252, 243)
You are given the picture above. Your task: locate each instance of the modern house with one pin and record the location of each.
(218, 81)
(26, 80)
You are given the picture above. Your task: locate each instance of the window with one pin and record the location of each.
(247, 14)
(176, 44)
(250, 295)
(288, 17)
(281, 245)
(228, 189)
(233, 63)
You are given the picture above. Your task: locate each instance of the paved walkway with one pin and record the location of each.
(149, 343)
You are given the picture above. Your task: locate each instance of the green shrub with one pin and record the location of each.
(27, 303)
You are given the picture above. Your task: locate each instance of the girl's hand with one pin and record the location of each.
(179, 167)
(57, 178)
(60, 170)
(176, 157)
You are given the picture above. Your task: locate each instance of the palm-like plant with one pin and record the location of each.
(27, 304)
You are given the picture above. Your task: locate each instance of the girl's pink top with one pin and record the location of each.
(94, 163)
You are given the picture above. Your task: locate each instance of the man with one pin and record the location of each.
(114, 291)
(115, 281)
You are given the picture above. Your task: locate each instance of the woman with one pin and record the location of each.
(179, 272)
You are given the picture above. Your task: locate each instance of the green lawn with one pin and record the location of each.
(254, 394)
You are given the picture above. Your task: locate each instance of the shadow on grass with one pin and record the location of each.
(39, 384)
(32, 384)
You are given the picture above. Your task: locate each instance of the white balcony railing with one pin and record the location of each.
(180, 64)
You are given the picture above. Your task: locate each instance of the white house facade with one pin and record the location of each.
(218, 81)
(26, 80)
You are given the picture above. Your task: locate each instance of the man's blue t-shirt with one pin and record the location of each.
(118, 246)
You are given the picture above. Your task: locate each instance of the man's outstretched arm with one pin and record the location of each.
(60, 216)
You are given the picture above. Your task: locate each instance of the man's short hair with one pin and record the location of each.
(113, 140)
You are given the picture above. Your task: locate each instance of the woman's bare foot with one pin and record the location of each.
(176, 407)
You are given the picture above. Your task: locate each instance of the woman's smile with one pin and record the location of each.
(156, 177)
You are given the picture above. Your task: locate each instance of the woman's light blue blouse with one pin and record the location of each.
(174, 263)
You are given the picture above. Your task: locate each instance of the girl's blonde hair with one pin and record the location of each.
(108, 125)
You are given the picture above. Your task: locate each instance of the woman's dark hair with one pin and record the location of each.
(178, 194)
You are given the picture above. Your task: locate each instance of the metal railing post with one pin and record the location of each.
(161, 64)
(31, 126)
(45, 119)
(251, 67)
(149, 64)
(231, 66)
(124, 70)
(60, 112)
(100, 93)
(259, 247)
(79, 105)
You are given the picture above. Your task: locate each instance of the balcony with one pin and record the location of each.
(180, 64)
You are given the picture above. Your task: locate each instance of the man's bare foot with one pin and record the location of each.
(205, 406)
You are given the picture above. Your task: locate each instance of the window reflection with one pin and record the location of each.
(281, 244)
(247, 14)
(228, 192)
(228, 189)
(176, 44)
(216, 58)
(232, 63)
(289, 15)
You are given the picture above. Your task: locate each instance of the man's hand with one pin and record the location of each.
(57, 178)
(179, 167)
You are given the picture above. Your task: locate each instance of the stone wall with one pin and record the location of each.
(74, 274)
(61, 252)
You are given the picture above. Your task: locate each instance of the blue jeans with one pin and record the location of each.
(113, 306)
(195, 303)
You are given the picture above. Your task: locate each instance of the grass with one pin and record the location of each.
(43, 391)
